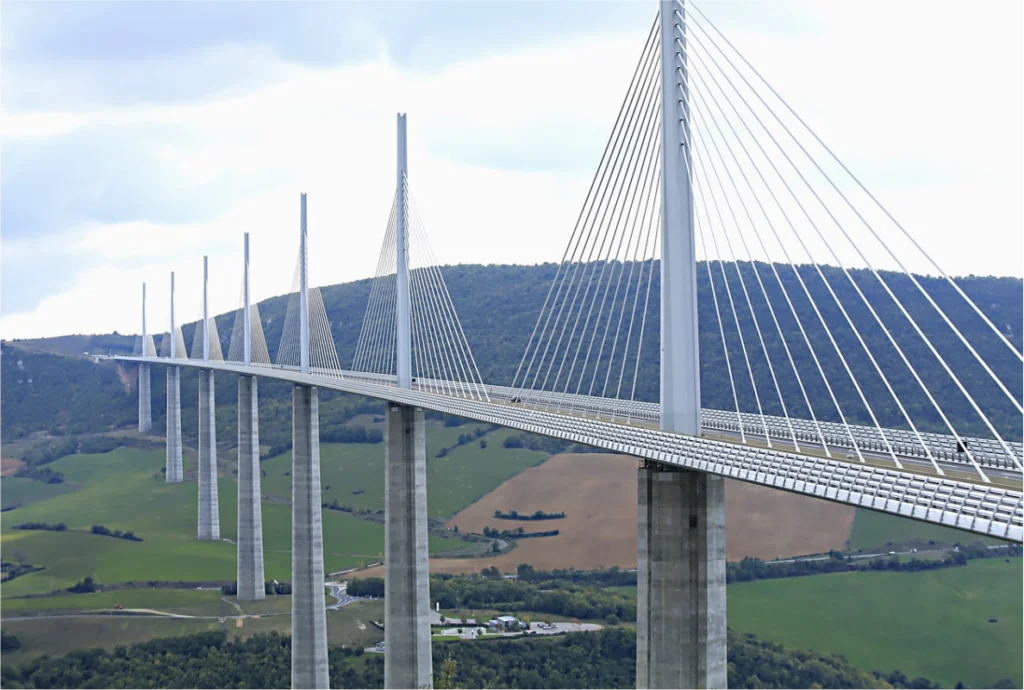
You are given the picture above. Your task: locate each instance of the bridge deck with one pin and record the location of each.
(964, 503)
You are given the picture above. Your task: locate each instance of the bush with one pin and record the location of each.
(9, 642)
(117, 534)
(85, 586)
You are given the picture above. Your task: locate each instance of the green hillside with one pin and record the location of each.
(934, 624)
(124, 489)
(498, 307)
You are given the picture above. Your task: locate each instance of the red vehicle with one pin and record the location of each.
(118, 606)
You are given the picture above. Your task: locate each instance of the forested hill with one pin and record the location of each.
(499, 306)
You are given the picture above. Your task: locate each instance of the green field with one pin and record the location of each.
(873, 530)
(348, 626)
(465, 475)
(932, 624)
(124, 490)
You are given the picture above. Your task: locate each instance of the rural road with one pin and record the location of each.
(856, 557)
(337, 591)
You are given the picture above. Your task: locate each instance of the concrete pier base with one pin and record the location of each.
(145, 400)
(309, 613)
(209, 510)
(407, 660)
(681, 624)
(174, 473)
(250, 514)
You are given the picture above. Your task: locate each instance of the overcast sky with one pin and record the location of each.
(137, 137)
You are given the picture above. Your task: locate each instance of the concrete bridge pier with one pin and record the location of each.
(145, 400)
(681, 624)
(209, 509)
(309, 612)
(174, 472)
(407, 660)
(250, 514)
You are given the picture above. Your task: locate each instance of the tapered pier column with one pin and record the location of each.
(309, 613)
(250, 516)
(407, 660)
(174, 467)
(681, 624)
(209, 510)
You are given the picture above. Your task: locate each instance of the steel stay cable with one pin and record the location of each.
(458, 336)
(785, 292)
(648, 47)
(651, 229)
(846, 272)
(625, 190)
(437, 341)
(647, 191)
(439, 323)
(633, 190)
(643, 321)
(635, 89)
(645, 226)
(828, 285)
(728, 291)
(372, 302)
(806, 292)
(913, 322)
(857, 181)
(649, 105)
(383, 323)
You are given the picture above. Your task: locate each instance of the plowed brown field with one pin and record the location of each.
(598, 492)
(9, 466)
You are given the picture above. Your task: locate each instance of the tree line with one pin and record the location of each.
(116, 533)
(536, 515)
(603, 659)
(67, 395)
(517, 533)
(472, 592)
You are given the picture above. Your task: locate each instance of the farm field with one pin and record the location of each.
(124, 490)
(933, 624)
(453, 482)
(872, 530)
(348, 626)
(598, 494)
(9, 466)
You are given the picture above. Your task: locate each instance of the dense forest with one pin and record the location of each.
(604, 659)
(499, 305)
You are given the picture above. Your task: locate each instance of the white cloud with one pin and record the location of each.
(502, 148)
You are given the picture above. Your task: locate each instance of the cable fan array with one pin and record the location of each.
(216, 352)
(442, 360)
(179, 346)
(594, 327)
(150, 346)
(323, 356)
(258, 353)
(808, 313)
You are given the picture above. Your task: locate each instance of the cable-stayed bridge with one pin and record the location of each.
(709, 183)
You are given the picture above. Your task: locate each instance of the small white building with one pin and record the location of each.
(506, 624)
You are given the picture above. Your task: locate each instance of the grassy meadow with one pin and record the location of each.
(455, 481)
(125, 490)
(933, 624)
